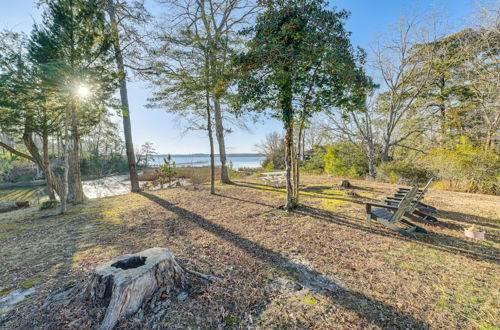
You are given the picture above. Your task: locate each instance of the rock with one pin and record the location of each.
(124, 284)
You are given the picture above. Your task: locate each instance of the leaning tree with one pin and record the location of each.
(299, 46)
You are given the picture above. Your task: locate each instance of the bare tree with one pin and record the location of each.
(357, 127)
(216, 24)
(146, 153)
(403, 81)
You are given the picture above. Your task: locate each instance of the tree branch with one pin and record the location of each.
(16, 152)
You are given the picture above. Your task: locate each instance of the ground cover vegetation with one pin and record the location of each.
(317, 266)
(422, 103)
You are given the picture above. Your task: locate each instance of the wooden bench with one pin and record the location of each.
(390, 215)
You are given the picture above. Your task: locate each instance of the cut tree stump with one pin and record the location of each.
(11, 206)
(125, 284)
(345, 184)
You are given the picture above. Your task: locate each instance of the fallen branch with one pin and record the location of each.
(205, 277)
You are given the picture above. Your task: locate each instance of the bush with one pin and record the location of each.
(403, 172)
(315, 160)
(99, 166)
(345, 160)
(166, 174)
(50, 204)
(18, 171)
(466, 167)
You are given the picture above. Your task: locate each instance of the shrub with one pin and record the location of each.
(18, 171)
(466, 167)
(315, 160)
(345, 160)
(403, 172)
(166, 174)
(99, 166)
(50, 204)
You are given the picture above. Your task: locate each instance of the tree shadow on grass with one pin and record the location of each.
(310, 279)
(469, 219)
(447, 243)
(245, 201)
(318, 194)
(442, 242)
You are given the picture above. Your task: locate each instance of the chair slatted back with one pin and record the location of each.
(405, 204)
(422, 193)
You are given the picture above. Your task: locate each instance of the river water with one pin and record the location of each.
(236, 161)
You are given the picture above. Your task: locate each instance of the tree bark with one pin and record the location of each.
(127, 126)
(211, 139)
(290, 200)
(16, 152)
(37, 158)
(46, 162)
(65, 153)
(219, 131)
(287, 118)
(76, 196)
(297, 157)
(371, 161)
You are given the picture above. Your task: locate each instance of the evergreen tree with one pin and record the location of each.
(294, 45)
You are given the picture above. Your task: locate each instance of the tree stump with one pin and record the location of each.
(123, 285)
(345, 184)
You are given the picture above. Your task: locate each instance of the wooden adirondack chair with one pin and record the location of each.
(383, 215)
(416, 206)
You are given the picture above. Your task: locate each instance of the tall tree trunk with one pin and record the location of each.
(46, 162)
(211, 139)
(297, 157)
(76, 188)
(127, 126)
(385, 151)
(219, 131)
(287, 118)
(290, 200)
(36, 157)
(371, 161)
(66, 152)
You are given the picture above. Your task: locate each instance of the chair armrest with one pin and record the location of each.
(392, 207)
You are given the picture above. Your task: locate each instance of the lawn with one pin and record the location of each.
(317, 267)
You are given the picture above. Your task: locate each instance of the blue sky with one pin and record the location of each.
(369, 18)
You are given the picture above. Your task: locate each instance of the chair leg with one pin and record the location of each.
(392, 226)
(407, 233)
(418, 229)
(425, 216)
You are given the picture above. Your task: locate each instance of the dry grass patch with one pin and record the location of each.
(316, 267)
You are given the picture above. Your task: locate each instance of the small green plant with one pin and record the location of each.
(165, 175)
(231, 321)
(50, 204)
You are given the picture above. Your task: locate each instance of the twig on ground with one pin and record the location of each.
(205, 277)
